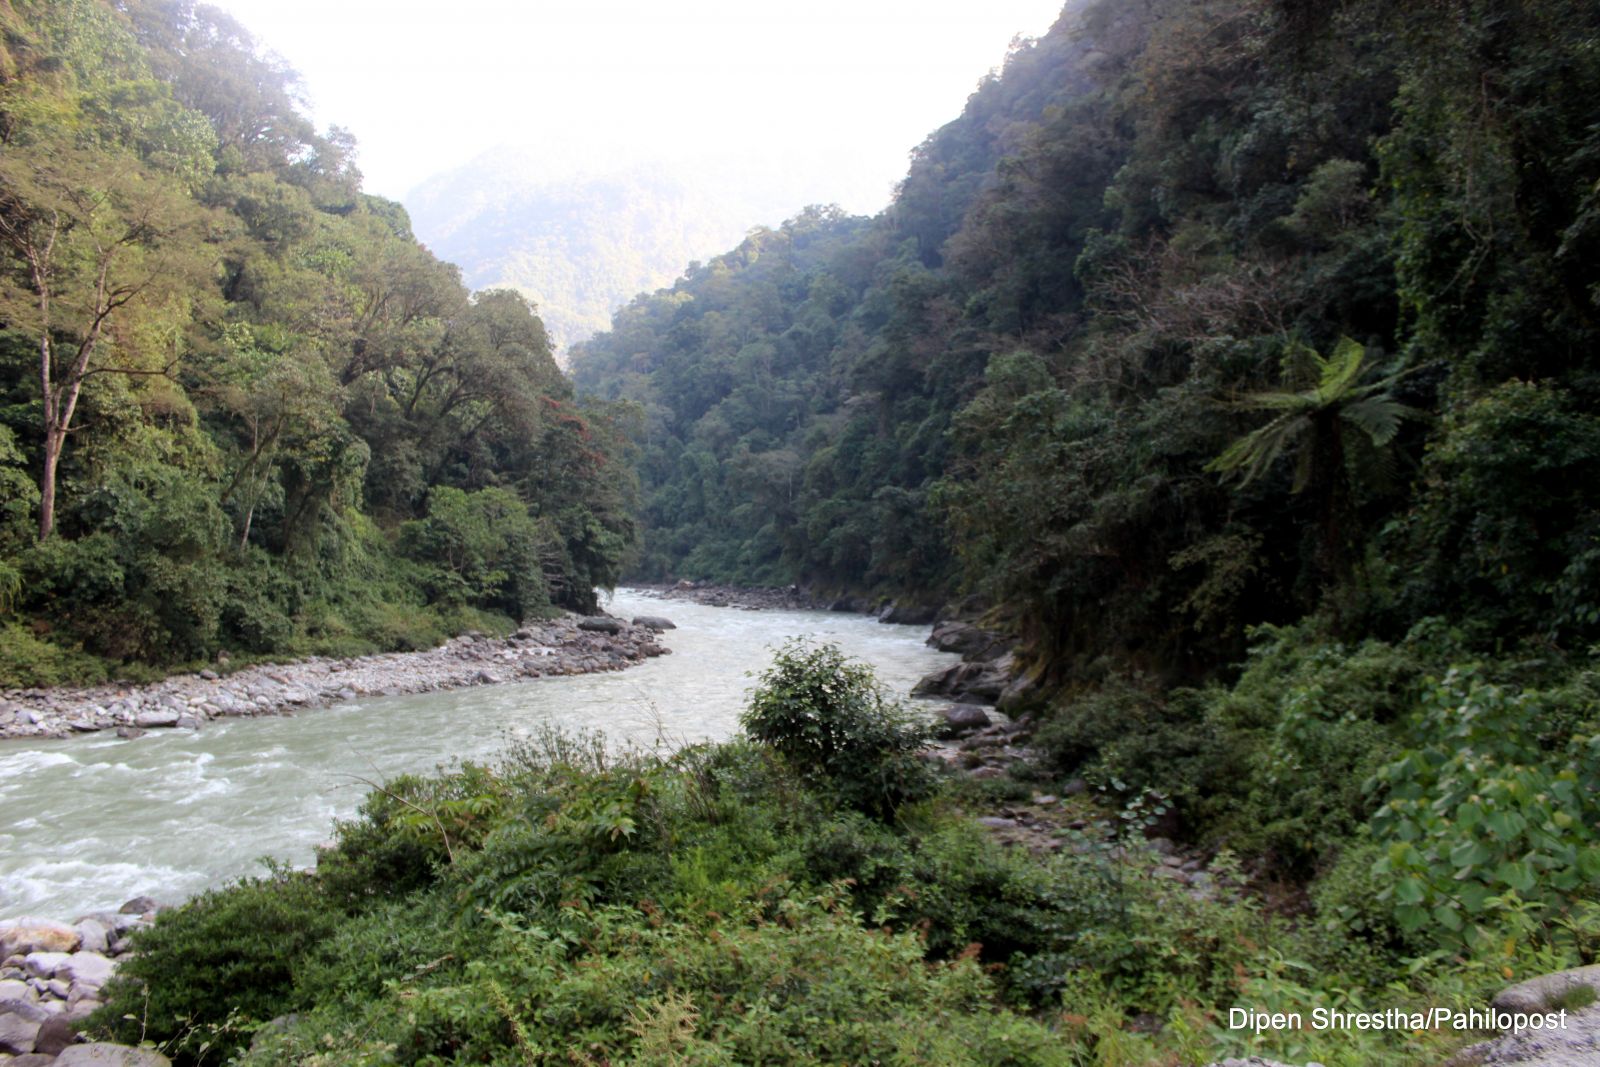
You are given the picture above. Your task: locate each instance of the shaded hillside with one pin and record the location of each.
(799, 389)
(1060, 369)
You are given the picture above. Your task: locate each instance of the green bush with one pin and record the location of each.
(813, 986)
(1354, 934)
(208, 971)
(1295, 738)
(27, 660)
(1494, 803)
(1128, 730)
(831, 721)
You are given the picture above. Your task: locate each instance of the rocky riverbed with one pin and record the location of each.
(744, 598)
(51, 976)
(571, 644)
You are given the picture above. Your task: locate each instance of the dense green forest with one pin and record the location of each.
(241, 408)
(1201, 316)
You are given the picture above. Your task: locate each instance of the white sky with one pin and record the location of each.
(836, 91)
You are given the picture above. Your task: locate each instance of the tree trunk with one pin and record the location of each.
(47, 485)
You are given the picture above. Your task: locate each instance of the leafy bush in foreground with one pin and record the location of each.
(832, 722)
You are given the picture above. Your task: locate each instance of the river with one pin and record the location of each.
(88, 822)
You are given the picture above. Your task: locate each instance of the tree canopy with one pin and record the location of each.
(249, 407)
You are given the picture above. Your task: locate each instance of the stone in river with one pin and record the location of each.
(654, 622)
(18, 937)
(102, 1054)
(601, 624)
(153, 717)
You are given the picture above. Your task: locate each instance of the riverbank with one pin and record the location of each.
(571, 644)
(744, 598)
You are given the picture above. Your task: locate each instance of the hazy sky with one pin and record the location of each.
(836, 91)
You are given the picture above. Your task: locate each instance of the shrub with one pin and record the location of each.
(207, 971)
(27, 661)
(1494, 802)
(831, 721)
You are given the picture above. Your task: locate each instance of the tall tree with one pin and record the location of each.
(89, 237)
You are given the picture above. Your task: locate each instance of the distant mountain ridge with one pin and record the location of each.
(580, 240)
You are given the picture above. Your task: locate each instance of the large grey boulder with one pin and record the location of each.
(87, 969)
(93, 935)
(19, 1025)
(1576, 1044)
(45, 964)
(102, 1054)
(959, 720)
(969, 642)
(55, 1034)
(941, 682)
(906, 614)
(601, 624)
(1546, 992)
(976, 683)
(654, 622)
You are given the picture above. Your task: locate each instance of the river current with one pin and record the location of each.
(88, 822)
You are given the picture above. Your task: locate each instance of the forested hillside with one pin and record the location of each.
(1201, 316)
(240, 407)
(1239, 357)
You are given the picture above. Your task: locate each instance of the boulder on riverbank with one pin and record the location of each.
(45, 991)
(907, 614)
(21, 937)
(971, 643)
(959, 720)
(972, 683)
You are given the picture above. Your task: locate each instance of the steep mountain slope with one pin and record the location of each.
(1049, 371)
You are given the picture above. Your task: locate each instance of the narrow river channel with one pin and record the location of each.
(86, 823)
